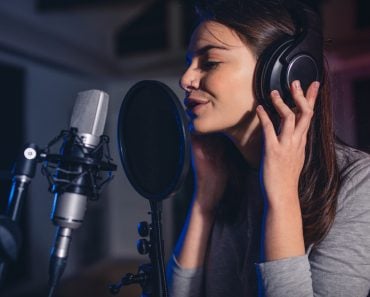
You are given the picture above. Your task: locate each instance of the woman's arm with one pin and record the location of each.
(282, 163)
(340, 264)
(192, 245)
(286, 271)
(210, 181)
(186, 266)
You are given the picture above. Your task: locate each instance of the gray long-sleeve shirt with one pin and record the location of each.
(338, 266)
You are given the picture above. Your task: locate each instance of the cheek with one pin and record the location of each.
(228, 84)
(232, 89)
(239, 92)
(242, 83)
(240, 77)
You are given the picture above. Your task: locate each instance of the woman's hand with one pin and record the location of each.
(282, 163)
(209, 165)
(284, 153)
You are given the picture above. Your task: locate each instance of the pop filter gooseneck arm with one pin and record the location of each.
(155, 153)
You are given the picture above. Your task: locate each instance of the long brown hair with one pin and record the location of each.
(259, 23)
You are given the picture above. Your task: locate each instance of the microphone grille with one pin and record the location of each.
(90, 112)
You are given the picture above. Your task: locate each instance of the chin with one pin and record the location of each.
(204, 128)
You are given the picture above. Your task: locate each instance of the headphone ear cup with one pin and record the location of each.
(298, 57)
(269, 73)
(278, 66)
(304, 68)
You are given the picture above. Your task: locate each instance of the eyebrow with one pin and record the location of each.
(207, 48)
(204, 49)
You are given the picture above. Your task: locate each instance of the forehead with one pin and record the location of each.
(213, 33)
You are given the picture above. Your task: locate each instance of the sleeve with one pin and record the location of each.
(288, 277)
(183, 282)
(340, 264)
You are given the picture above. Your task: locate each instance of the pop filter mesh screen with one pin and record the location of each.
(152, 140)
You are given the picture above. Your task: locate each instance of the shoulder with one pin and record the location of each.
(353, 163)
(354, 166)
(340, 264)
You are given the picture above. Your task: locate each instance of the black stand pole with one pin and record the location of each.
(10, 235)
(151, 277)
(157, 256)
(10, 242)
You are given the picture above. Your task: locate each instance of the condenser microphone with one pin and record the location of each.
(88, 117)
(77, 174)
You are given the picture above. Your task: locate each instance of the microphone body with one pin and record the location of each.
(77, 171)
(72, 186)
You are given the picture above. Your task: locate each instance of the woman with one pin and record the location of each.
(279, 208)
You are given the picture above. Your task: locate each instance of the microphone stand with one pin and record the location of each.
(24, 171)
(77, 171)
(151, 277)
(10, 235)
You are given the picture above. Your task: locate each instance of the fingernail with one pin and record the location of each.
(297, 84)
(316, 84)
(275, 93)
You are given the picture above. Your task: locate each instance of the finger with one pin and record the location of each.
(305, 110)
(286, 114)
(312, 93)
(267, 126)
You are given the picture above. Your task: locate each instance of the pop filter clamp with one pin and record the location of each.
(154, 148)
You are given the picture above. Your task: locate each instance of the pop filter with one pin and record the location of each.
(153, 138)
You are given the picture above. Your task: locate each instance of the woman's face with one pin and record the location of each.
(218, 81)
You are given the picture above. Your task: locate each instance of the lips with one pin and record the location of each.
(192, 103)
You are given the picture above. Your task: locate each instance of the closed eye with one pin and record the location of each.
(209, 65)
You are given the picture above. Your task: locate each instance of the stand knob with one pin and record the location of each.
(143, 229)
(143, 246)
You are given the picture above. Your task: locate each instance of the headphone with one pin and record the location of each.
(290, 58)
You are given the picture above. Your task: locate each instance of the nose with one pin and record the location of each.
(190, 79)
